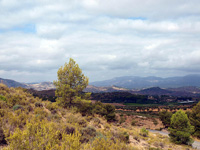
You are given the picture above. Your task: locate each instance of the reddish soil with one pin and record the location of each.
(141, 121)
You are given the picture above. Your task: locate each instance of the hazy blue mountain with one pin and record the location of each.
(188, 84)
(135, 82)
(12, 83)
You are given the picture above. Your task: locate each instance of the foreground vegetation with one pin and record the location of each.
(26, 122)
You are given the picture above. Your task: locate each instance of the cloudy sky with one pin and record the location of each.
(107, 38)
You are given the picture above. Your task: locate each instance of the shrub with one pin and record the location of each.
(99, 109)
(16, 107)
(133, 122)
(3, 104)
(43, 135)
(154, 148)
(124, 137)
(195, 119)
(144, 132)
(38, 104)
(165, 117)
(106, 144)
(87, 134)
(110, 112)
(96, 120)
(122, 119)
(82, 122)
(29, 108)
(3, 88)
(16, 97)
(71, 141)
(40, 113)
(86, 109)
(3, 98)
(2, 112)
(155, 122)
(2, 137)
(70, 129)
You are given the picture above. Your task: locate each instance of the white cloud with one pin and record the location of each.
(106, 38)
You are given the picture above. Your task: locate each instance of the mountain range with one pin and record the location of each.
(176, 86)
(136, 82)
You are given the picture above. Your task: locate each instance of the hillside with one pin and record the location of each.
(95, 89)
(155, 91)
(36, 86)
(136, 82)
(12, 83)
(41, 86)
(46, 88)
(28, 123)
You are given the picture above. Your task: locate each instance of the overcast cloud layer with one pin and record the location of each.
(107, 38)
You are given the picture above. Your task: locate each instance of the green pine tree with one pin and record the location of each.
(180, 128)
(70, 84)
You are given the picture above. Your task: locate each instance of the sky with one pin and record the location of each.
(107, 38)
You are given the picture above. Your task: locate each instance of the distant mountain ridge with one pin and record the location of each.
(48, 87)
(175, 86)
(135, 82)
(35, 86)
(12, 83)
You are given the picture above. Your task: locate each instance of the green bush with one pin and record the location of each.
(16, 107)
(86, 109)
(144, 132)
(165, 117)
(3, 98)
(98, 108)
(124, 137)
(180, 128)
(110, 112)
(194, 117)
(52, 107)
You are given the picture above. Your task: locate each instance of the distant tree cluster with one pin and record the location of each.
(165, 117)
(121, 97)
(106, 110)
